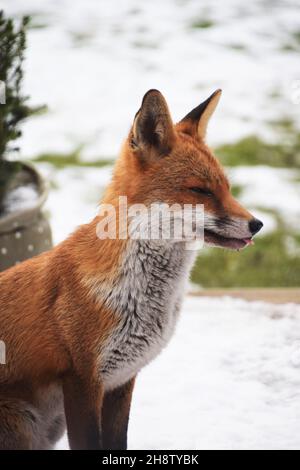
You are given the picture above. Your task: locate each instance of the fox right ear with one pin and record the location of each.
(153, 127)
(196, 122)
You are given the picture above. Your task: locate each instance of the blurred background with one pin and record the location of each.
(92, 61)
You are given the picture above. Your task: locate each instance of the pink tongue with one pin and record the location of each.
(249, 241)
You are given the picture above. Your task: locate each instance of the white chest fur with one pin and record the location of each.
(147, 297)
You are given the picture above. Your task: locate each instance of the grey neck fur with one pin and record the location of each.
(147, 297)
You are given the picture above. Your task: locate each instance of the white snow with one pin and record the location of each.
(229, 379)
(21, 198)
(93, 61)
(270, 188)
(74, 196)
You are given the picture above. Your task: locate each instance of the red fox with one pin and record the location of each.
(80, 321)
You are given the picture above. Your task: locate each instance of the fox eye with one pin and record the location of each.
(203, 191)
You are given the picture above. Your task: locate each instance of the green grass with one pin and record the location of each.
(236, 190)
(296, 36)
(143, 44)
(80, 38)
(293, 45)
(38, 26)
(275, 94)
(202, 24)
(285, 126)
(37, 21)
(252, 150)
(267, 264)
(288, 47)
(238, 47)
(61, 160)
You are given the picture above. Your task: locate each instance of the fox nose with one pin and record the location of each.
(255, 226)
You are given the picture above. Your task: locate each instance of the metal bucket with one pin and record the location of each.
(25, 233)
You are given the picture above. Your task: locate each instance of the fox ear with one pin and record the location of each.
(196, 122)
(153, 127)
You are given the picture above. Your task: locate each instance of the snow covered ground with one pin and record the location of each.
(91, 62)
(229, 379)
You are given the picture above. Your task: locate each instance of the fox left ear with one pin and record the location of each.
(153, 129)
(195, 123)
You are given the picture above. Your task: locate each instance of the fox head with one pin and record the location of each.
(171, 163)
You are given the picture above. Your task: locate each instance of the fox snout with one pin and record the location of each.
(234, 230)
(239, 223)
(255, 226)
